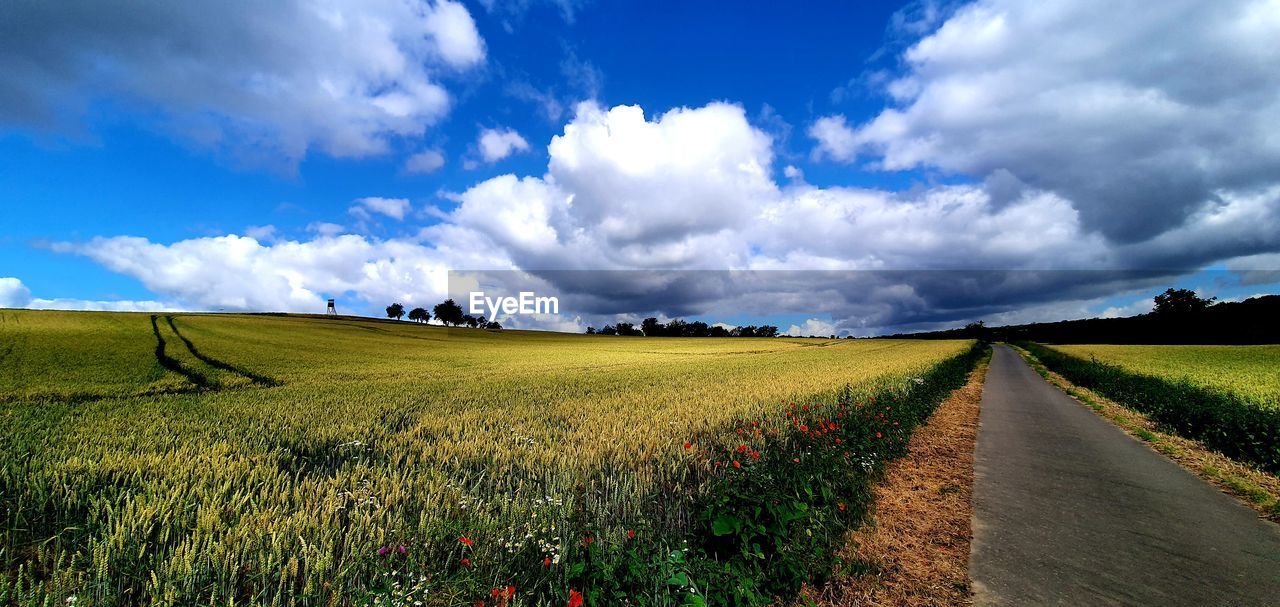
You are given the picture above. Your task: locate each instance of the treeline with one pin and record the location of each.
(1179, 317)
(447, 312)
(650, 327)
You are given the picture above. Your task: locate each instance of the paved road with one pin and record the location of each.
(1068, 510)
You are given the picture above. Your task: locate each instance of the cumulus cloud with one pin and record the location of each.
(239, 273)
(427, 161)
(13, 294)
(1141, 116)
(394, 208)
(677, 214)
(496, 144)
(268, 80)
(812, 326)
(835, 139)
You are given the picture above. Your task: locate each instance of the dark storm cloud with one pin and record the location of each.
(1140, 114)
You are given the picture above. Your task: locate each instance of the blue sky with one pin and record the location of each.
(913, 136)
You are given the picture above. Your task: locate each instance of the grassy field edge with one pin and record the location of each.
(1253, 486)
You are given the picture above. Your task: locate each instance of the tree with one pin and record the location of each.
(626, 328)
(493, 325)
(482, 321)
(675, 328)
(470, 321)
(652, 328)
(1176, 302)
(395, 311)
(766, 331)
(448, 312)
(608, 330)
(419, 315)
(591, 330)
(719, 331)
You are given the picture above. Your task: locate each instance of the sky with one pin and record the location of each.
(838, 168)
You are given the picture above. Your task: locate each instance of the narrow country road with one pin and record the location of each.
(1069, 510)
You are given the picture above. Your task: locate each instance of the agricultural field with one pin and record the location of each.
(288, 460)
(1227, 397)
(1252, 372)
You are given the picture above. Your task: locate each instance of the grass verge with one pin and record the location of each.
(1258, 489)
(915, 550)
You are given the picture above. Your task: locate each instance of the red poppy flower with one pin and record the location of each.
(688, 445)
(466, 562)
(586, 541)
(841, 505)
(877, 435)
(736, 464)
(546, 563)
(631, 534)
(804, 428)
(575, 598)
(796, 460)
(511, 590)
(465, 541)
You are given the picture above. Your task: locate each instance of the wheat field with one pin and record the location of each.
(282, 460)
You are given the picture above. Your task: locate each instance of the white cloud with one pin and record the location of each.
(496, 144)
(394, 208)
(835, 139)
(239, 273)
(812, 326)
(455, 34)
(691, 189)
(115, 305)
(1139, 114)
(13, 294)
(267, 81)
(265, 233)
(427, 161)
(325, 229)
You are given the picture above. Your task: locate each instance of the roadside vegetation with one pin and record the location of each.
(914, 550)
(256, 460)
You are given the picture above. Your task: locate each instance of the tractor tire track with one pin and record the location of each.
(200, 380)
(256, 378)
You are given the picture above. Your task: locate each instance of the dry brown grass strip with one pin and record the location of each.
(916, 549)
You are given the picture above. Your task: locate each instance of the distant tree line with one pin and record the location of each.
(650, 327)
(447, 312)
(1178, 317)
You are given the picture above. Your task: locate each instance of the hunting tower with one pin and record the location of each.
(331, 311)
